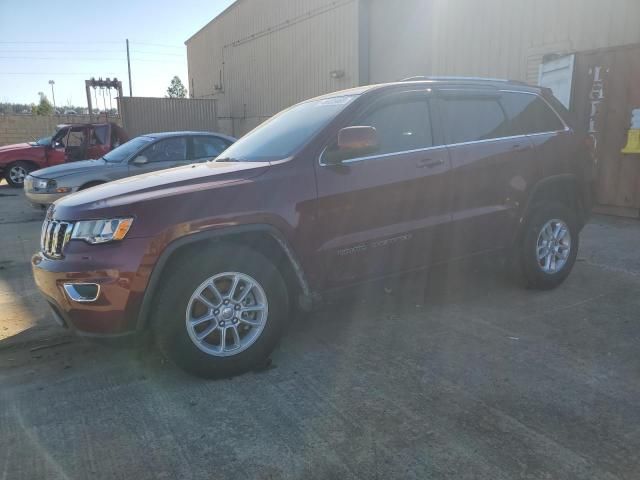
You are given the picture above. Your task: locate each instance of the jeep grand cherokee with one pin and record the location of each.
(337, 190)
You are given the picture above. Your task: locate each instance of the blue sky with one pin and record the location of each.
(69, 41)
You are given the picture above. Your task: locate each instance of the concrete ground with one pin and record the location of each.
(479, 380)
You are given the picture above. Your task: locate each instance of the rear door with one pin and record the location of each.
(384, 213)
(162, 154)
(491, 167)
(203, 148)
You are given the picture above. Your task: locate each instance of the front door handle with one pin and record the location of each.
(429, 163)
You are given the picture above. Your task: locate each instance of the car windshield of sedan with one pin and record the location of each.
(288, 131)
(126, 150)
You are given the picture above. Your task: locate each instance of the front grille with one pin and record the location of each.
(55, 235)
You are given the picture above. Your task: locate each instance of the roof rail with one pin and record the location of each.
(463, 79)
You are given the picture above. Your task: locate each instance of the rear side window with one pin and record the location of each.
(208, 147)
(529, 114)
(100, 135)
(472, 119)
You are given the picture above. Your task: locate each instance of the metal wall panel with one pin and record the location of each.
(142, 115)
(496, 38)
(265, 56)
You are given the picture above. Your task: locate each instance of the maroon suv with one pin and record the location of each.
(332, 192)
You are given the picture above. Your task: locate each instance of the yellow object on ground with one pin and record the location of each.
(633, 144)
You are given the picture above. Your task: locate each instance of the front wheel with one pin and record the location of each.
(549, 246)
(221, 312)
(16, 173)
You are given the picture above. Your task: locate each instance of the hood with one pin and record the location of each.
(15, 148)
(69, 168)
(118, 196)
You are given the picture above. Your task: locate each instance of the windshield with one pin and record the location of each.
(42, 142)
(126, 150)
(288, 131)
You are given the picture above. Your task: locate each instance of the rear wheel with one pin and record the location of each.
(221, 313)
(549, 246)
(16, 173)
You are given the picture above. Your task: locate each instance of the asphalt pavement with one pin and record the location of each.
(466, 376)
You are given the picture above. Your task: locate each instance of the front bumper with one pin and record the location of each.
(120, 269)
(38, 198)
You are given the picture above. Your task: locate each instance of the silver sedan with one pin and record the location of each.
(143, 154)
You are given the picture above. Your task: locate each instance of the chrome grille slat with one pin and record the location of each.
(49, 238)
(55, 235)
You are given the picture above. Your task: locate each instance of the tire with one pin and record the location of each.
(176, 305)
(16, 172)
(542, 274)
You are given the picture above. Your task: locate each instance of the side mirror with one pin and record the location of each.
(140, 160)
(353, 142)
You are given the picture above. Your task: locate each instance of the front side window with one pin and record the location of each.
(167, 150)
(529, 114)
(60, 138)
(76, 138)
(126, 150)
(401, 125)
(472, 119)
(208, 147)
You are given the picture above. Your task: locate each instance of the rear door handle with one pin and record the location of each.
(429, 163)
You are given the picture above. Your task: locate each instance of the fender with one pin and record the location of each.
(565, 178)
(546, 182)
(216, 234)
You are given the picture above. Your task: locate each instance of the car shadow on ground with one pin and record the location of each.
(392, 299)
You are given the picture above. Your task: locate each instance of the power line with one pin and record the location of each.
(163, 45)
(29, 42)
(57, 73)
(144, 52)
(57, 43)
(114, 59)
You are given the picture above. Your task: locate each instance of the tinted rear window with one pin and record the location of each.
(529, 114)
(473, 118)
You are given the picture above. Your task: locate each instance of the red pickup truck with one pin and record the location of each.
(70, 143)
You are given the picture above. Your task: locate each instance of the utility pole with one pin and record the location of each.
(129, 67)
(53, 95)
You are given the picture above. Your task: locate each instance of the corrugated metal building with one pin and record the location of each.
(258, 56)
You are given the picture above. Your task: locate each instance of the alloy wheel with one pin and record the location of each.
(17, 174)
(553, 246)
(226, 314)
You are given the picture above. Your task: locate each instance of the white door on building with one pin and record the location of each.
(557, 74)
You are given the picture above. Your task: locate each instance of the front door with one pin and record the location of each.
(56, 152)
(384, 213)
(164, 153)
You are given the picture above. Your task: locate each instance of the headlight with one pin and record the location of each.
(101, 231)
(50, 186)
